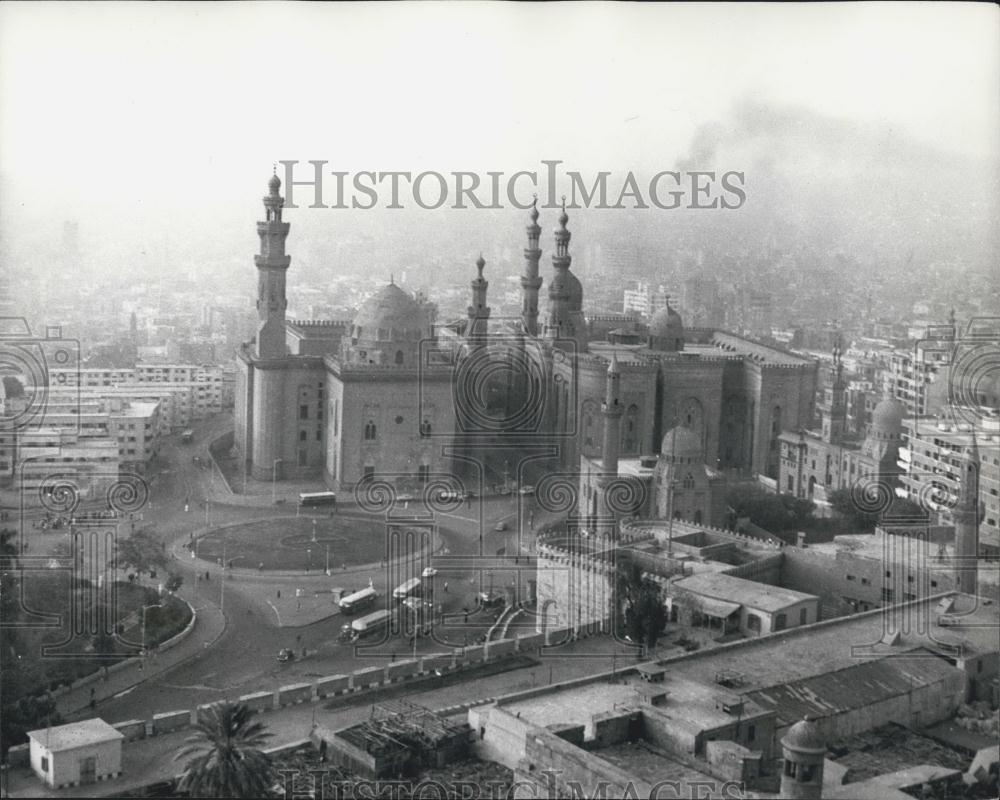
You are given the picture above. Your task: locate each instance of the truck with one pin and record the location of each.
(410, 588)
(367, 625)
(358, 601)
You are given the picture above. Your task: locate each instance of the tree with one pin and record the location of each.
(141, 552)
(852, 509)
(224, 758)
(638, 603)
(173, 582)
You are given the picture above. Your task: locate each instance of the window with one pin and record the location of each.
(807, 772)
(753, 622)
(790, 768)
(303, 412)
(934, 584)
(302, 436)
(791, 483)
(45, 763)
(850, 577)
(751, 733)
(399, 356)
(865, 582)
(370, 431)
(688, 481)
(888, 573)
(803, 616)
(780, 622)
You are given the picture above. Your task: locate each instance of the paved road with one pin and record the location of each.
(243, 657)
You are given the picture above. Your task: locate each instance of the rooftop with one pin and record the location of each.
(75, 734)
(739, 590)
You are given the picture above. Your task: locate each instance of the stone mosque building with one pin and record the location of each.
(394, 396)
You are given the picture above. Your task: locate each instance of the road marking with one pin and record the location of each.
(275, 612)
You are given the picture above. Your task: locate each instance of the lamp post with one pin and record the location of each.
(274, 478)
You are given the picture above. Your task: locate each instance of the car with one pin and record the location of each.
(526, 490)
(500, 526)
(447, 494)
(429, 572)
(285, 655)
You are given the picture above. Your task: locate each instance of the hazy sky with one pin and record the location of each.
(140, 108)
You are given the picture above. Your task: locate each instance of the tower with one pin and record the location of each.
(479, 312)
(530, 281)
(565, 293)
(834, 407)
(612, 412)
(966, 517)
(272, 264)
(803, 750)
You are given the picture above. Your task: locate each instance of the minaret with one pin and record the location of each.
(612, 411)
(530, 281)
(966, 517)
(559, 288)
(834, 409)
(479, 312)
(272, 263)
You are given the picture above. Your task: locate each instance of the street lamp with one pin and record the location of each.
(274, 477)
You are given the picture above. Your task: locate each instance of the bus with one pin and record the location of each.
(309, 499)
(406, 589)
(365, 626)
(358, 601)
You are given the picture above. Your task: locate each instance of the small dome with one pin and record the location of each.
(567, 285)
(390, 309)
(666, 324)
(274, 183)
(804, 736)
(681, 442)
(563, 217)
(887, 417)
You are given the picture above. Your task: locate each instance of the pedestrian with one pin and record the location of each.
(446, 587)
(298, 605)
(279, 594)
(208, 575)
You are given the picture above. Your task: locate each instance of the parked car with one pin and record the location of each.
(500, 526)
(526, 490)
(285, 655)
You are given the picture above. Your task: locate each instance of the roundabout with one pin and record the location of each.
(297, 543)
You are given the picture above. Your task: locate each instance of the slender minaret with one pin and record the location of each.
(612, 411)
(966, 517)
(272, 263)
(530, 281)
(560, 287)
(834, 410)
(479, 312)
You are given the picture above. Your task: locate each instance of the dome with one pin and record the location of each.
(567, 285)
(666, 324)
(393, 312)
(274, 183)
(682, 442)
(887, 417)
(804, 736)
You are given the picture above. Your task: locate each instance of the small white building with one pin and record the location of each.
(752, 608)
(76, 754)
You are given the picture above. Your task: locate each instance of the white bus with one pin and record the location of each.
(308, 499)
(406, 589)
(365, 626)
(358, 601)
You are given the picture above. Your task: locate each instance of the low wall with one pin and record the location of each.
(170, 721)
(132, 729)
(332, 685)
(295, 693)
(258, 701)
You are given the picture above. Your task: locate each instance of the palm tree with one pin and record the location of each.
(224, 756)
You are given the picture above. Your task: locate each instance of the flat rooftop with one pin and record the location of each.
(691, 702)
(752, 594)
(652, 765)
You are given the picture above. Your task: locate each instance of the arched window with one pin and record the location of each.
(697, 516)
(370, 431)
(631, 428)
(399, 356)
(688, 481)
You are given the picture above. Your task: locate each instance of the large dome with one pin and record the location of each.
(804, 736)
(887, 417)
(390, 315)
(682, 443)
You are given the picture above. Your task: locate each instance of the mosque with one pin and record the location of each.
(395, 396)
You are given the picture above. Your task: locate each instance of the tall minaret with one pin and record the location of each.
(612, 411)
(834, 409)
(272, 263)
(559, 288)
(479, 312)
(966, 517)
(530, 281)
